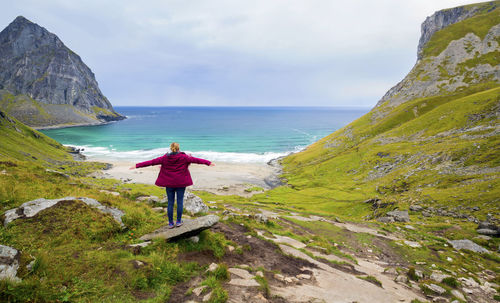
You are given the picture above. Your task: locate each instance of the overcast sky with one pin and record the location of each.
(238, 52)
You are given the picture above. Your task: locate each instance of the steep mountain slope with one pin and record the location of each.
(43, 83)
(433, 139)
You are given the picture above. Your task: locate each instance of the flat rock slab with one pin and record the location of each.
(31, 208)
(244, 282)
(467, 244)
(241, 273)
(190, 228)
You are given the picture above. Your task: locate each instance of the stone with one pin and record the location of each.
(9, 263)
(240, 273)
(487, 225)
(244, 282)
(194, 204)
(386, 219)
(113, 193)
(230, 248)
(190, 228)
(288, 280)
(206, 298)
(149, 199)
(141, 245)
(409, 227)
(440, 300)
(29, 267)
(212, 267)
(436, 288)
(198, 290)
(261, 218)
(488, 232)
(194, 239)
(416, 207)
(259, 298)
(412, 244)
(457, 294)
(137, 264)
(304, 276)
(260, 274)
(55, 172)
(158, 209)
(391, 271)
(31, 208)
(37, 65)
(438, 276)
(467, 244)
(401, 279)
(399, 215)
(279, 277)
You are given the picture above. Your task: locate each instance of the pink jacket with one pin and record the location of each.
(174, 170)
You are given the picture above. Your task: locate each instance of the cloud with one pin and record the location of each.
(222, 52)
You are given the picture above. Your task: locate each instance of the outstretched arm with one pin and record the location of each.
(200, 161)
(156, 161)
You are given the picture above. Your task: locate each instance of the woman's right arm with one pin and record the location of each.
(156, 161)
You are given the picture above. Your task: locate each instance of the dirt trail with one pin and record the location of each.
(337, 286)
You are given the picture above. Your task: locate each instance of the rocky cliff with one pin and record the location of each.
(459, 48)
(44, 83)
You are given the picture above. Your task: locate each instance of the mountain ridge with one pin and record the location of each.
(36, 65)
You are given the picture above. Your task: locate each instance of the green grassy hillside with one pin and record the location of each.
(80, 254)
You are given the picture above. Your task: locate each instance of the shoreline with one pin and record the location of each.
(225, 178)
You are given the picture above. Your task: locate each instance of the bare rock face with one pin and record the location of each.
(461, 64)
(442, 19)
(31, 208)
(36, 65)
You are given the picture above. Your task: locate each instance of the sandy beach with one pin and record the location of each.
(224, 178)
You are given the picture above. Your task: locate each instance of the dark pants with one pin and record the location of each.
(171, 191)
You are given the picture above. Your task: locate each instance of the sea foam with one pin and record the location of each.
(105, 153)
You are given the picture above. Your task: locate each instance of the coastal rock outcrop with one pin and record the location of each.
(31, 208)
(43, 83)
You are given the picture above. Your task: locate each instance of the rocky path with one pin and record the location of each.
(295, 275)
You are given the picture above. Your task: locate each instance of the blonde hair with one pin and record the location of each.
(174, 147)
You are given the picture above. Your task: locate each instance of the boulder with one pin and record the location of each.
(467, 244)
(488, 232)
(261, 218)
(399, 215)
(436, 288)
(31, 208)
(386, 219)
(438, 276)
(193, 204)
(416, 207)
(9, 263)
(190, 228)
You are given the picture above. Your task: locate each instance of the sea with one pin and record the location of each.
(226, 134)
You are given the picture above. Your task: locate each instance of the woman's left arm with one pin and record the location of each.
(199, 161)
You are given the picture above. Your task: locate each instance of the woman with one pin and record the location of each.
(174, 176)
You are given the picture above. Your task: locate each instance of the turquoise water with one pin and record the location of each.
(231, 134)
